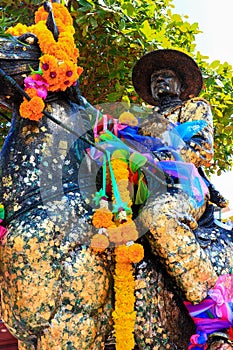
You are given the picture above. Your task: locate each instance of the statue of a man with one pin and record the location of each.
(171, 81)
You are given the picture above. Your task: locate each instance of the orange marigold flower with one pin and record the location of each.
(59, 59)
(32, 109)
(62, 12)
(99, 242)
(135, 252)
(41, 14)
(49, 47)
(122, 254)
(59, 11)
(61, 55)
(67, 74)
(31, 92)
(102, 218)
(48, 63)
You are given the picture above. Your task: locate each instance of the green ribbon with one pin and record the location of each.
(2, 212)
(119, 203)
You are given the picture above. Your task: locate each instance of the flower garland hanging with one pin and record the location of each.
(3, 230)
(117, 227)
(58, 68)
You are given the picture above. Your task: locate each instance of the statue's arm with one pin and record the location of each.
(199, 149)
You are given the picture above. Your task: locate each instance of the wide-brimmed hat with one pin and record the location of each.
(183, 65)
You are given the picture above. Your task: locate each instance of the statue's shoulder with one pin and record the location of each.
(198, 107)
(197, 101)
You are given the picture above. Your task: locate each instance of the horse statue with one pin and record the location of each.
(57, 292)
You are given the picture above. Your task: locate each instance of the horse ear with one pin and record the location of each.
(28, 38)
(50, 23)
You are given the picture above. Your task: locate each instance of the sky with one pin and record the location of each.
(215, 19)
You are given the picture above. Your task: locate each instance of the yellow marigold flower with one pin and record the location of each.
(18, 30)
(102, 218)
(40, 29)
(118, 161)
(124, 315)
(120, 169)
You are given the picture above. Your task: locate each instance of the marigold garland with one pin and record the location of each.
(58, 63)
(121, 231)
(124, 315)
(102, 218)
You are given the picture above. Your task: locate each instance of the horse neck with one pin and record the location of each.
(34, 154)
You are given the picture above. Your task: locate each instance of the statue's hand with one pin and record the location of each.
(186, 219)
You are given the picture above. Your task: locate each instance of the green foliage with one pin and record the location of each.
(112, 35)
(218, 91)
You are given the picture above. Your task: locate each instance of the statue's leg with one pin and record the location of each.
(83, 318)
(31, 280)
(46, 288)
(162, 320)
(169, 218)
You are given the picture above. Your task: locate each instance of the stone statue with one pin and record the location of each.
(171, 81)
(57, 293)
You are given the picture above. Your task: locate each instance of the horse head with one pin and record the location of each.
(40, 160)
(17, 55)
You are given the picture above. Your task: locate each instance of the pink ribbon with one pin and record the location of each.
(3, 230)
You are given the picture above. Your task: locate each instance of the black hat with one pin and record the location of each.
(183, 65)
